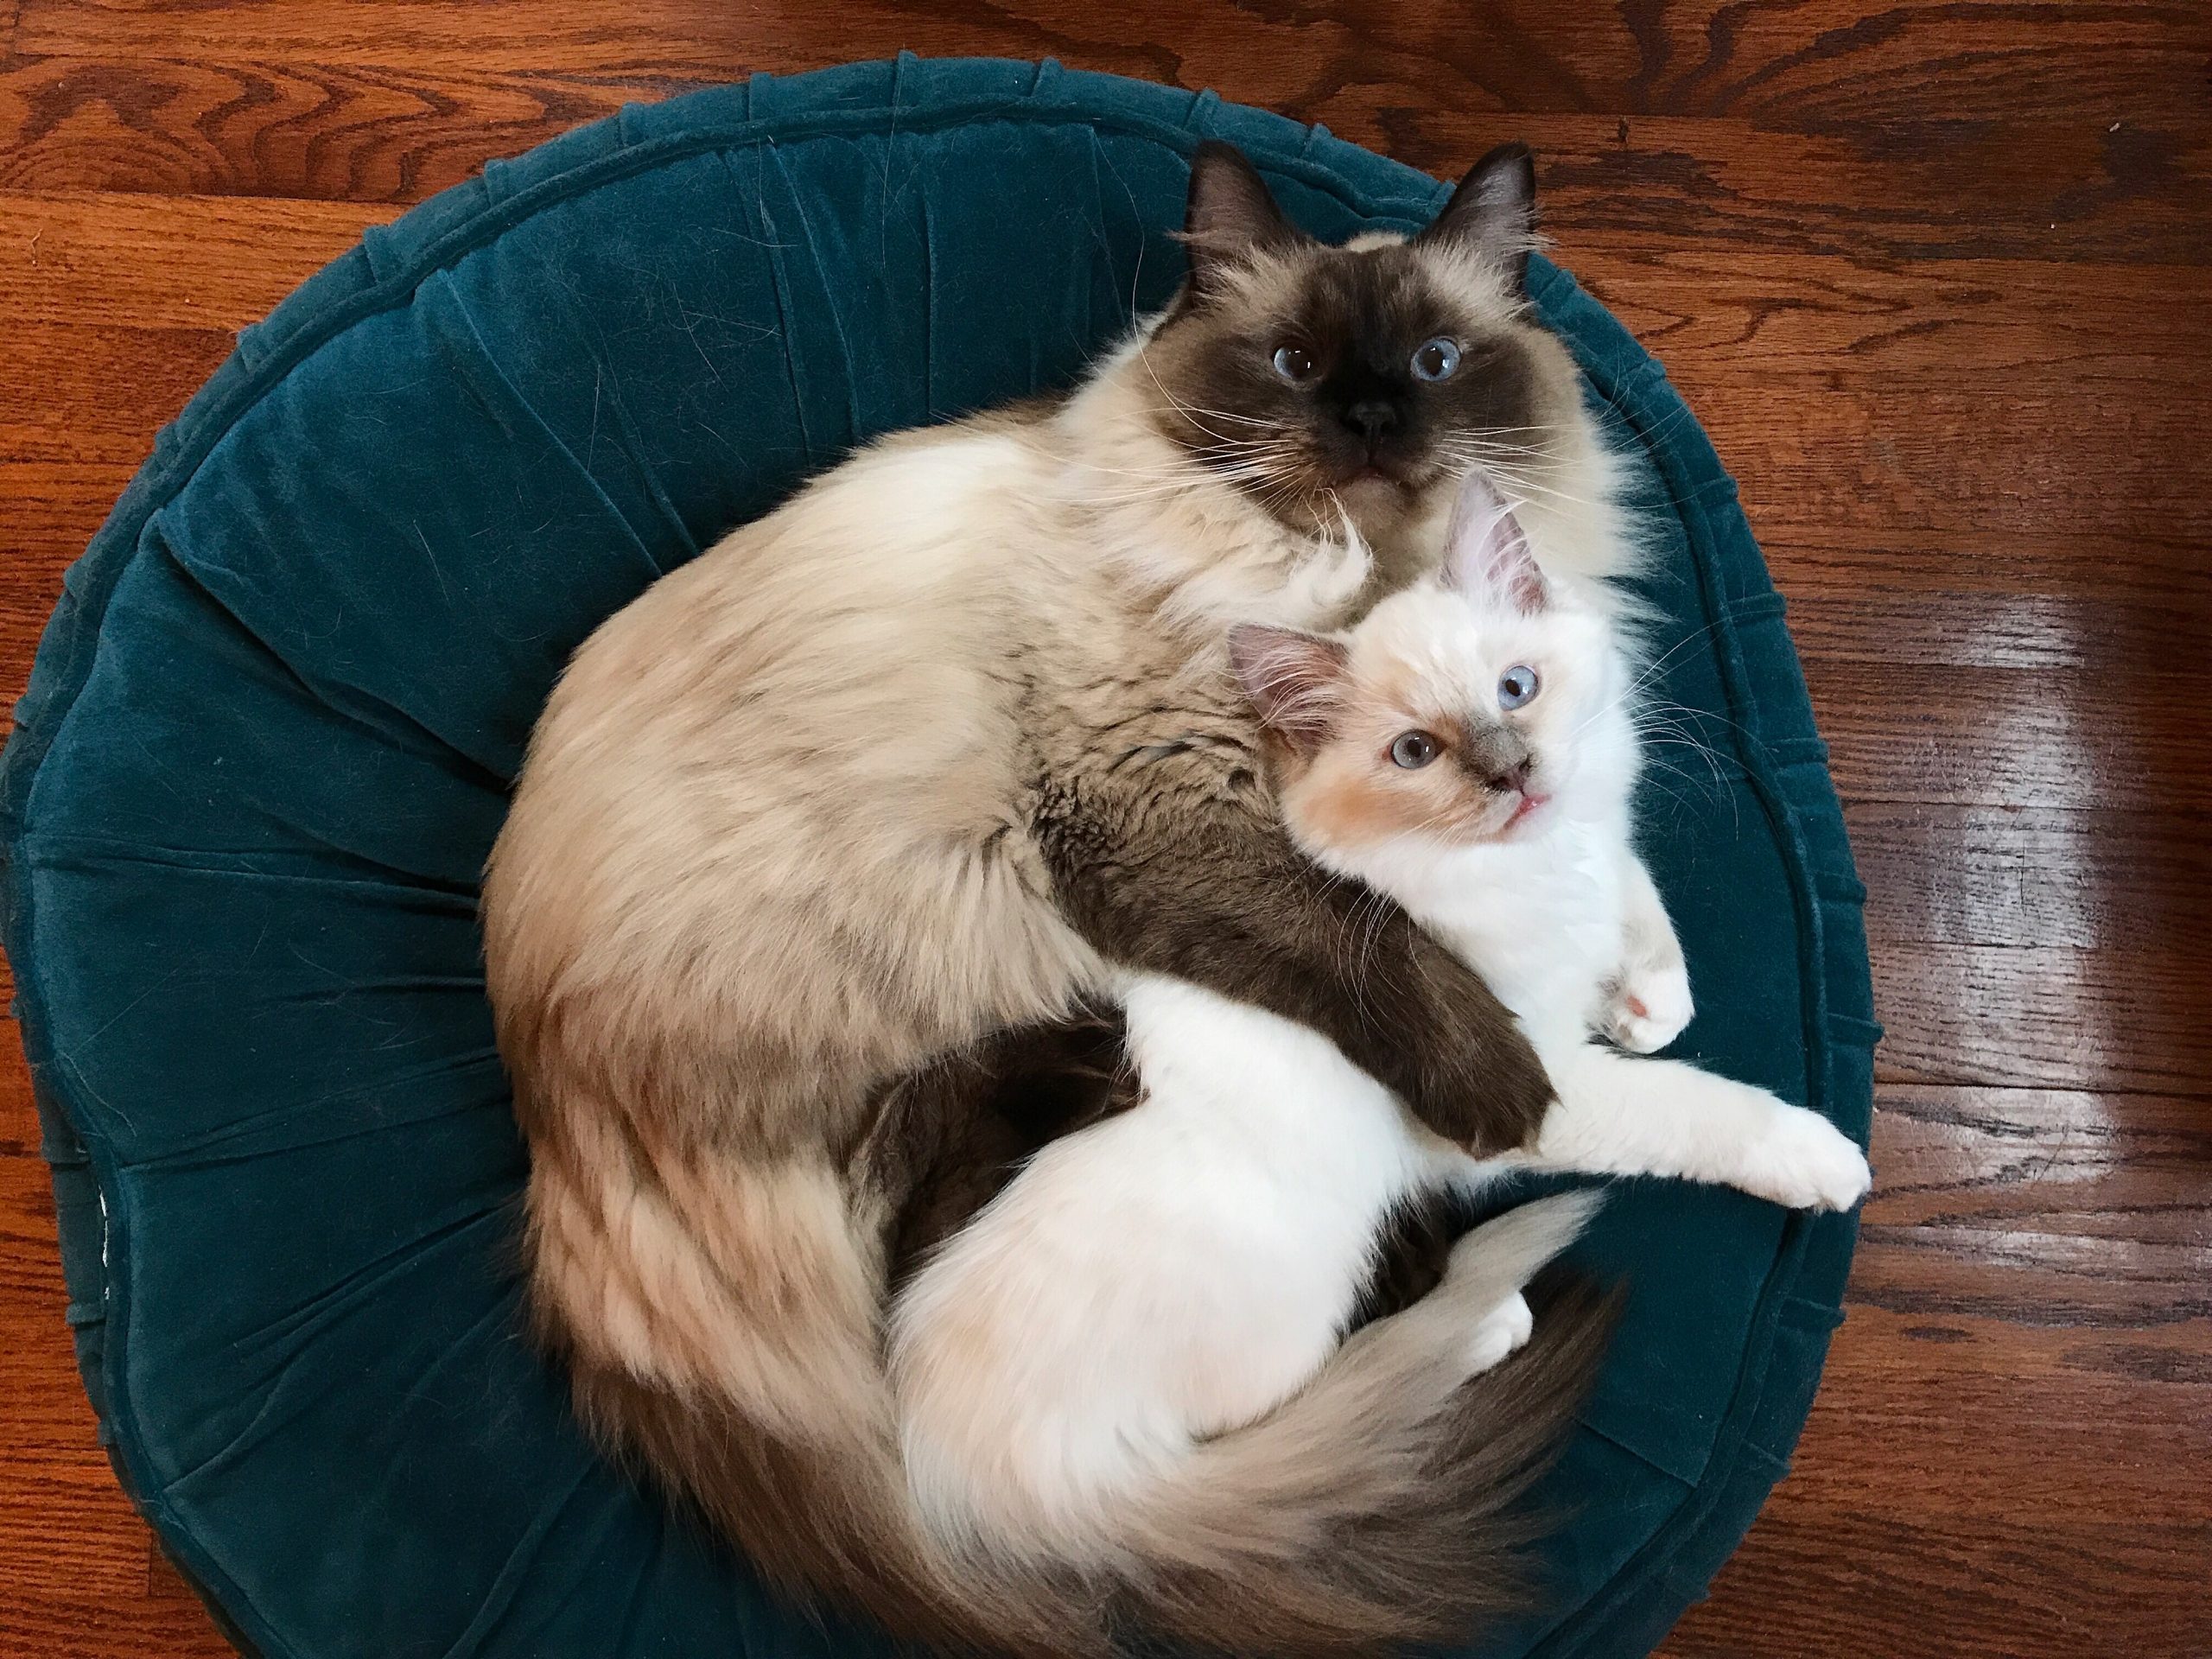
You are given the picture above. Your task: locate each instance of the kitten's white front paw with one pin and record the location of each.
(1649, 1008)
(1499, 1332)
(1804, 1161)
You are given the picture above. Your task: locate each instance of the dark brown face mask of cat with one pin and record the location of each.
(1353, 380)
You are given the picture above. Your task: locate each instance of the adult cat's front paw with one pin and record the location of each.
(1648, 1007)
(1804, 1161)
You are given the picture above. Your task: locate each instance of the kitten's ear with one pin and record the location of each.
(1230, 215)
(1294, 680)
(1494, 212)
(1486, 553)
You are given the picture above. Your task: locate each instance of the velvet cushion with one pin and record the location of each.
(269, 738)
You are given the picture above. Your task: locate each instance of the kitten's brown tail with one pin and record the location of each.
(1380, 1505)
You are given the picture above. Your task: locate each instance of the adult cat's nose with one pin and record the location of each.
(1372, 417)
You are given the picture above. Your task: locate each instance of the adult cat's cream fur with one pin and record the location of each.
(916, 759)
(1067, 1363)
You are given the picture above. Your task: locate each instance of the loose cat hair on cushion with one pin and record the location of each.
(934, 753)
(1156, 1306)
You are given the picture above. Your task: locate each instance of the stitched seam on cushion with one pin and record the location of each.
(382, 719)
(1641, 1456)
(836, 317)
(48, 849)
(527, 410)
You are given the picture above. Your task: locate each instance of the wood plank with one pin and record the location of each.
(2129, 1018)
(49, 511)
(2075, 596)
(1817, 63)
(2038, 946)
(2022, 461)
(88, 259)
(2032, 1269)
(2030, 876)
(57, 1621)
(2015, 737)
(103, 391)
(196, 126)
(1726, 320)
(301, 101)
(1811, 1583)
(2063, 1215)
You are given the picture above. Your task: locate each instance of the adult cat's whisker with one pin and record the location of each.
(1257, 471)
(1480, 446)
(1233, 418)
(1527, 488)
(1519, 483)
(1189, 414)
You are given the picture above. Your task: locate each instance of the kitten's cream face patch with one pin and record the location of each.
(1429, 661)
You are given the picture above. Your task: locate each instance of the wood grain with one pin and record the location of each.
(1936, 275)
(2035, 131)
(2005, 1454)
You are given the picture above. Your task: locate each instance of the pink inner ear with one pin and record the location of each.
(1292, 679)
(1488, 552)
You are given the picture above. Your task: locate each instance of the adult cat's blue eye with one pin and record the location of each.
(1436, 360)
(1293, 363)
(1517, 685)
(1413, 750)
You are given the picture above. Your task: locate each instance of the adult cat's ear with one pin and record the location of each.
(1486, 553)
(1230, 214)
(1494, 212)
(1293, 680)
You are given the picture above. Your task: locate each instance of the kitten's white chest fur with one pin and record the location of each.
(1542, 915)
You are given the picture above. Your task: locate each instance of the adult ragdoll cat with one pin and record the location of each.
(931, 751)
(1153, 1310)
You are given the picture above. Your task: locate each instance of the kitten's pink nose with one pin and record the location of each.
(1515, 778)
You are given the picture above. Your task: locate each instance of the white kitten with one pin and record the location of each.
(1148, 1287)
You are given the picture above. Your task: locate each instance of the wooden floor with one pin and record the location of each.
(1936, 277)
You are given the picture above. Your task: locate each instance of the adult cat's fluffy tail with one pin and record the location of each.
(1379, 1505)
(719, 1318)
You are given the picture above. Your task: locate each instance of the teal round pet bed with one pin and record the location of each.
(269, 739)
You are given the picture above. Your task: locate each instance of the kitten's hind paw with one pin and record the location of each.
(1804, 1161)
(1500, 1333)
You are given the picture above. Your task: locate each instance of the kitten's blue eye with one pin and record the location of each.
(1413, 750)
(1436, 360)
(1517, 685)
(1293, 363)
